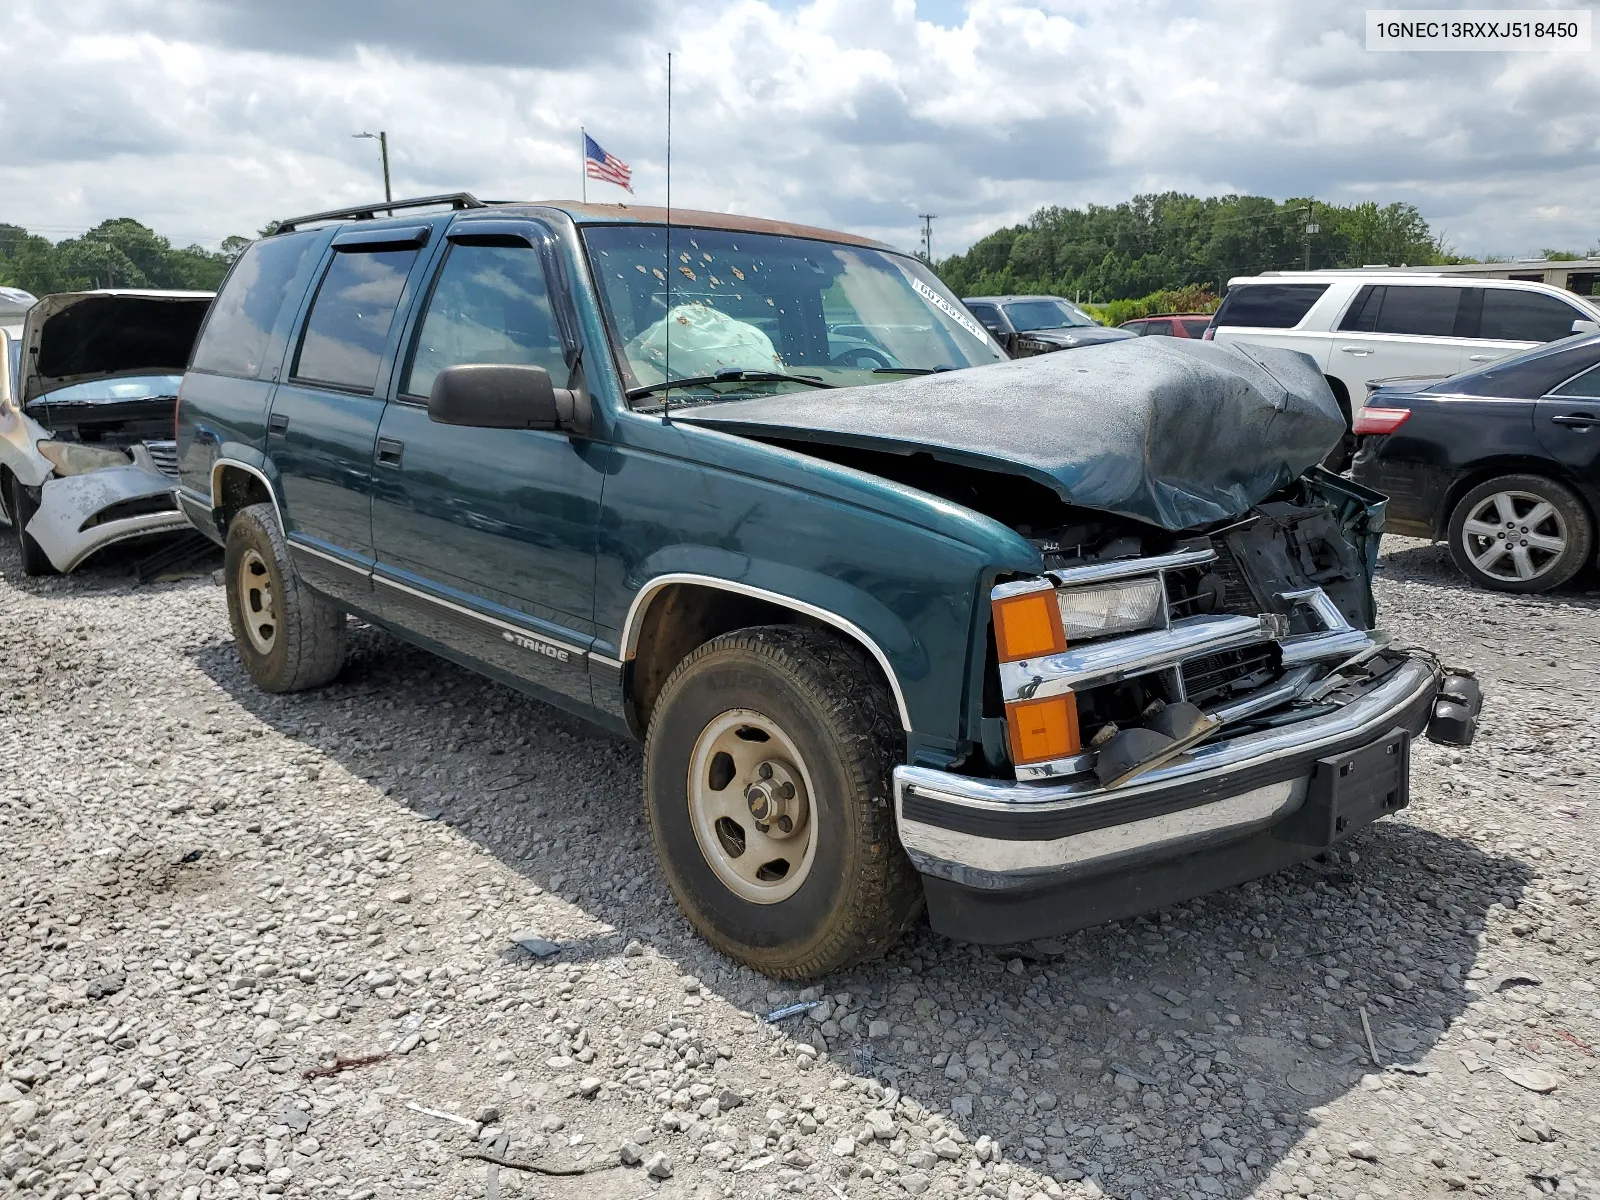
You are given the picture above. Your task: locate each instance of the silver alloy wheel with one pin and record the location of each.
(257, 604)
(1514, 536)
(750, 805)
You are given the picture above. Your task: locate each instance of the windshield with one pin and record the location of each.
(1028, 315)
(135, 387)
(751, 302)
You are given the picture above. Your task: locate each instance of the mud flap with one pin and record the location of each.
(1350, 790)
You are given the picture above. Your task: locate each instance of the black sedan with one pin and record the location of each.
(1503, 463)
(1028, 325)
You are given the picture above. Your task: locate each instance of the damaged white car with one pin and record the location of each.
(86, 421)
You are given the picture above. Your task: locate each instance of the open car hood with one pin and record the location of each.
(1177, 433)
(78, 337)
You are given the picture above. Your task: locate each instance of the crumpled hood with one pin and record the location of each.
(76, 337)
(1174, 432)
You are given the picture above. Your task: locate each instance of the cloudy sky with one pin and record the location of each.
(210, 117)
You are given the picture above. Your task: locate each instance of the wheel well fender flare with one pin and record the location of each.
(638, 609)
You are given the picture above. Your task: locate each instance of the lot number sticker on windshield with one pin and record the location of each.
(948, 309)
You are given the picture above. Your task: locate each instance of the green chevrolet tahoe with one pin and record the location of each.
(901, 624)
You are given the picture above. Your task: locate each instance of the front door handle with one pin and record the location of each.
(1361, 351)
(1483, 357)
(278, 423)
(389, 452)
(1579, 421)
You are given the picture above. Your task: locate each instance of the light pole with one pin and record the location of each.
(382, 139)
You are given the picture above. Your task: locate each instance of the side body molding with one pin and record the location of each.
(641, 602)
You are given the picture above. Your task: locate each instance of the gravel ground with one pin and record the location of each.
(222, 904)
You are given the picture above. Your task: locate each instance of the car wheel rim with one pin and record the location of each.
(257, 603)
(750, 805)
(1514, 536)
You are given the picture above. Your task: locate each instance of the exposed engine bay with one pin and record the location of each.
(1299, 563)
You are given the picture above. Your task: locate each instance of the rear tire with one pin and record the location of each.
(800, 713)
(20, 508)
(288, 637)
(1520, 533)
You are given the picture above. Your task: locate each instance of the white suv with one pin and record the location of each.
(1366, 325)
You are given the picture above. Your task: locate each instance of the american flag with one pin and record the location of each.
(597, 164)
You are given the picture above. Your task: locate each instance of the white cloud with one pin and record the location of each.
(210, 119)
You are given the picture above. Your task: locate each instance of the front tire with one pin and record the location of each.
(20, 508)
(1520, 533)
(767, 788)
(288, 637)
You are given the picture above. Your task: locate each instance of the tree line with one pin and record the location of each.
(1174, 241)
(120, 252)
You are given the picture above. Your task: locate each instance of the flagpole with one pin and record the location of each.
(583, 161)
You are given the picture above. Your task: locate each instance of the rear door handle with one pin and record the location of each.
(1359, 350)
(390, 451)
(278, 423)
(1578, 420)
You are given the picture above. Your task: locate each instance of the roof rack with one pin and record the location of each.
(369, 212)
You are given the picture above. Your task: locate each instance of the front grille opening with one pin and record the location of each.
(1218, 677)
(141, 506)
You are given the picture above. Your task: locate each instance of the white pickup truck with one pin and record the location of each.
(1363, 325)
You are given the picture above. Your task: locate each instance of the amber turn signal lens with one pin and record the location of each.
(1043, 729)
(1028, 625)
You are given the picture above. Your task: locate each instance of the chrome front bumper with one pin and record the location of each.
(995, 835)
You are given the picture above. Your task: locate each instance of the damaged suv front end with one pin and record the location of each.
(1189, 689)
(86, 434)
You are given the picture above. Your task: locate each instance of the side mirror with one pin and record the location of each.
(501, 396)
(1582, 326)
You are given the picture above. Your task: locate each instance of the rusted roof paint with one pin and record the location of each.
(642, 214)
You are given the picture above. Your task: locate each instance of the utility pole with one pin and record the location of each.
(382, 138)
(927, 220)
(1311, 227)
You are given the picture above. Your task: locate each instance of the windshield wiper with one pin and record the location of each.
(728, 375)
(911, 370)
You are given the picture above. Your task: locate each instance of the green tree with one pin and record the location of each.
(120, 252)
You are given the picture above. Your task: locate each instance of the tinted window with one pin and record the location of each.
(489, 305)
(1419, 311)
(1526, 376)
(1586, 385)
(1195, 326)
(988, 314)
(1269, 305)
(1028, 315)
(1157, 329)
(1362, 315)
(350, 318)
(1525, 316)
(240, 324)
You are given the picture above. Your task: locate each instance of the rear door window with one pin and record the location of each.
(348, 326)
(1269, 305)
(238, 329)
(1516, 316)
(1194, 327)
(1417, 311)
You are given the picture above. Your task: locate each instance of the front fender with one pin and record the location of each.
(20, 436)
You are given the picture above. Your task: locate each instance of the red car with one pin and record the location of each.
(1184, 325)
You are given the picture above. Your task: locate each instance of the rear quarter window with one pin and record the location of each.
(239, 327)
(1269, 305)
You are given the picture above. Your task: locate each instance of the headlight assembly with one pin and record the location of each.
(76, 458)
(1119, 607)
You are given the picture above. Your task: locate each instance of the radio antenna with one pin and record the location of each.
(666, 324)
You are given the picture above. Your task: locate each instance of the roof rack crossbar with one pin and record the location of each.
(369, 212)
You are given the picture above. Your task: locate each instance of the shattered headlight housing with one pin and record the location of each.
(1119, 607)
(77, 458)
